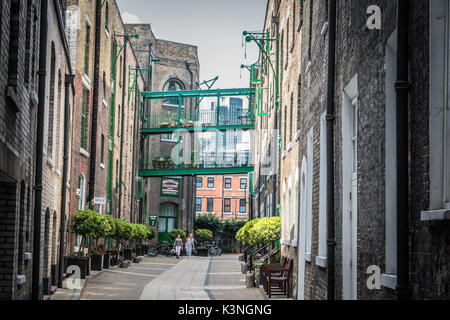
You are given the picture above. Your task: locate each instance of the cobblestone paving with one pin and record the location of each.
(126, 284)
(162, 278)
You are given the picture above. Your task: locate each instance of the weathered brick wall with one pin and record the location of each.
(17, 144)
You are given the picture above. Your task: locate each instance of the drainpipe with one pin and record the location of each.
(330, 118)
(93, 154)
(277, 125)
(36, 288)
(402, 90)
(124, 83)
(68, 82)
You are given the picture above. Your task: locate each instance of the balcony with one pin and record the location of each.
(167, 121)
(165, 164)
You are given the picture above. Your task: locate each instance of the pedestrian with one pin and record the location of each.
(178, 245)
(190, 245)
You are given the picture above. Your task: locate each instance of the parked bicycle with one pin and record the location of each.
(162, 248)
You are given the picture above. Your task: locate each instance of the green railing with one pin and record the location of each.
(201, 119)
(165, 161)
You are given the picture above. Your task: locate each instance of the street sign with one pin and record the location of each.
(153, 221)
(100, 200)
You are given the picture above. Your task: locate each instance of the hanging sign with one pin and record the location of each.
(170, 187)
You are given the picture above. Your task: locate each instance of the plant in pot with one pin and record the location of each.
(100, 228)
(202, 236)
(81, 225)
(123, 231)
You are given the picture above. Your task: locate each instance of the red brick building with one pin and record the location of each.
(225, 196)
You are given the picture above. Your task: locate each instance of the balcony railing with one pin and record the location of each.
(165, 161)
(164, 119)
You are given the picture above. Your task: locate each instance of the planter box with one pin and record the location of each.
(97, 262)
(113, 260)
(202, 252)
(127, 254)
(82, 263)
(107, 261)
(244, 267)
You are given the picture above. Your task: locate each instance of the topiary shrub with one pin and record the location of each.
(175, 232)
(243, 235)
(203, 235)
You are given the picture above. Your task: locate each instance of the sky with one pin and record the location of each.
(215, 26)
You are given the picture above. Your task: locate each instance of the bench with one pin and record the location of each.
(277, 279)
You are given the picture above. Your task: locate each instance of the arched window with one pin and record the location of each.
(173, 85)
(104, 86)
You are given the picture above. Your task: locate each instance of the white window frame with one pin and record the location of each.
(439, 115)
(321, 259)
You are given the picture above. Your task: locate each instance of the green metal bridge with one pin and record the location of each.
(178, 115)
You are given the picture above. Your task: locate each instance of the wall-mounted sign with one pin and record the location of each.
(152, 221)
(100, 200)
(170, 187)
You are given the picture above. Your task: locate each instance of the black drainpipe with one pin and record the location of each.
(36, 288)
(93, 154)
(124, 83)
(402, 90)
(62, 232)
(330, 118)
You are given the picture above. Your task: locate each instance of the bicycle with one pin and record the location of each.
(160, 248)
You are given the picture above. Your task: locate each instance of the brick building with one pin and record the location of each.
(174, 66)
(117, 103)
(19, 53)
(366, 206)
(224, 196)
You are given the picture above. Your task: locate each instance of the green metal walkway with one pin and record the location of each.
(177, 114)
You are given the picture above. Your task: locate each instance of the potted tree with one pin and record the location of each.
(202, 236)
(80, 225)
(100, 228)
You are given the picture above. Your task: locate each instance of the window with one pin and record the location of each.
(243, 185)
(199, 182)
(227, 183)
(198, 204)
(242, 206)
(311, 7)
(102, 149)
(87, 40)
(321, 258)
(107, 16)
(300, 20)
(210, 182)
(84, 119)
(291, 117)
(226, 205)
(439, 107)
(14, 25)
(354, 125)
(81, 192)
(51, 104)
(119, 115)
(104, 86)
(172, 85)
(210, 204)
(299, 100)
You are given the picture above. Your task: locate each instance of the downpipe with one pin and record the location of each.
(330, 118)
(42, 73)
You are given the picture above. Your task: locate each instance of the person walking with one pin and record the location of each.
(178, 245)
(190, 245)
